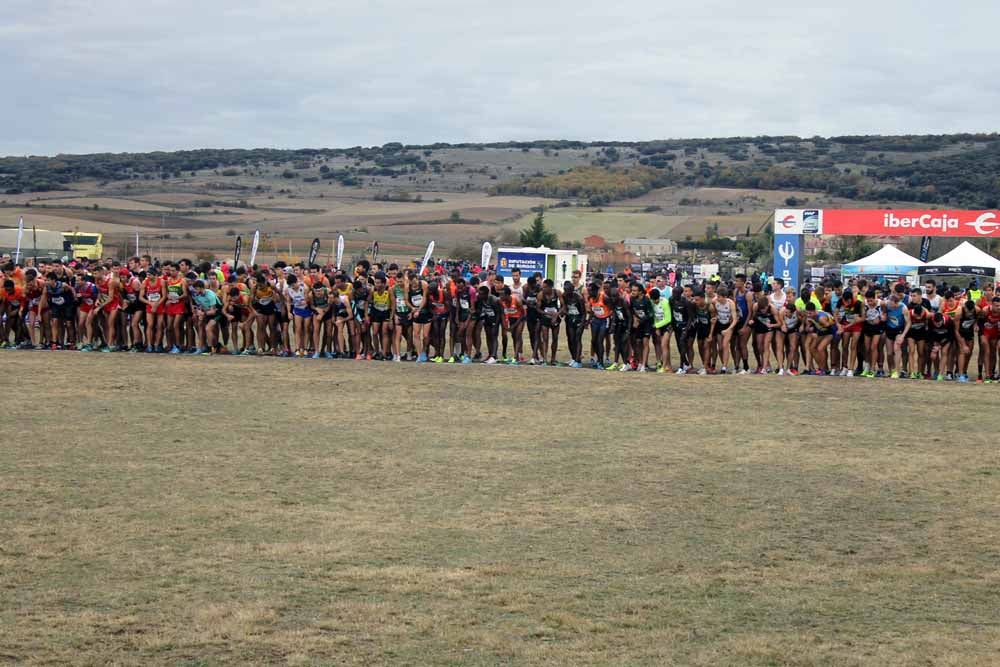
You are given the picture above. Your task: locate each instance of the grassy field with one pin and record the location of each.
(202, 511)
(613, 223)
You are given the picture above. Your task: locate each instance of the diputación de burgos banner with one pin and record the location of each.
(885, 222)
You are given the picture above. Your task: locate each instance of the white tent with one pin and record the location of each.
(967, 256)
(888, 260)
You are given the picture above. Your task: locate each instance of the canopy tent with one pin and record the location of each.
(964, 260)
(887, 261)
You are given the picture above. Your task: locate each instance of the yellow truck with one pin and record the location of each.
(83, 244)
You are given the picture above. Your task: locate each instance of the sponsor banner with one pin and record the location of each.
(956, 271)
(817, 272)
(925, 248)
(788, 259)
(798, 221)
(883, 270)
(880, 222)
(528, 262)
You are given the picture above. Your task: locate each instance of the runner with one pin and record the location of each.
(598, 314)
(548, 311)
(86, 311)
(296, 297)
(57, 298)
(513, 322)
(573, 312)
(207, 314)
(489, 312)
(724, 311)
(917, 337)
(765, 321)
(109, 301)
(642, 327)
(177, 298)
(264, 304)
(743, 329)
(403, 328)
(850, 316)
(662, 320)
(422, 316)
(941, 332)
(965, 336)
(320, 302)
(380, 311)
(703, 328)
(823, 327)
(897, 328)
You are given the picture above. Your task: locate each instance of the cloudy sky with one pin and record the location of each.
(120, 75)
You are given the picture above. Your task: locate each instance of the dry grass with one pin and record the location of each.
(254, 511)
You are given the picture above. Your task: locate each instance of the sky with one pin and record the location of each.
(83, 76)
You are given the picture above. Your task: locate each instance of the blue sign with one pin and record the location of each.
(528, 262)
(788, 259)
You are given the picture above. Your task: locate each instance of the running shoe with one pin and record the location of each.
(979, 380)
(641, 369)
(175, 350)
(466, 359)
(624, 368)
(396, 357)
(948, 377)
(940, 378)
(53, 347)
(514, 362)
(422, 358)
(894, 375)
(781, 371)
(963, 378)
(916, 376)
(702, 371)
(611, 367)
(478, 357)
(793, 371)
(490, 361)
(819, 372)
(880, 373)
(86, 348)
(661, 369)
(438, 359)
(451, 359)
(743, 371)
(316, 355)
(681, 371)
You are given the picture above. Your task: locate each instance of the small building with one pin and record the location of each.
(644, 247)
(594, 241)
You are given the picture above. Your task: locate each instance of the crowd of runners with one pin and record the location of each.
(377, 312)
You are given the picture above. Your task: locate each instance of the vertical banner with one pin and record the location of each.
(788, 259)
(34, 243)
(427, 258)
(313, 251)
(253, 247)
(925, 248)
(375, 253)
(340, 250)
(20, 233)
(236, 254)
(487, 254)
(137, 243)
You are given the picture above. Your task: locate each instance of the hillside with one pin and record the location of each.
(403, 196)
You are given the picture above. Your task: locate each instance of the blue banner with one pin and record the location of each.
(788, 259)
(528, 262)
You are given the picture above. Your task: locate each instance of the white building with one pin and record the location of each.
(653, 247)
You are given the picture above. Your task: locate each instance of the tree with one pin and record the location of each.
(537, 235)
(850, 248)
(455, 218)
